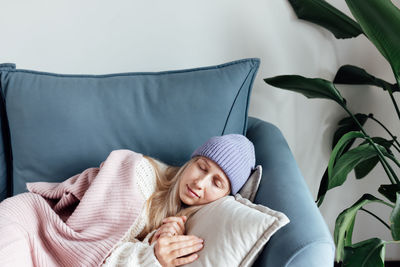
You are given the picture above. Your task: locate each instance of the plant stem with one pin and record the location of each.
(394, 102)
(394, 137)
(388, 204)
(389, 171)
(393, 242)
(394, 160)
(376, 217)
(398, 149)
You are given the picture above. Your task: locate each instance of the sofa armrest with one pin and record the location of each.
(306, 240)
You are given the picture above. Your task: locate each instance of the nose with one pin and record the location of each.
(201, 181)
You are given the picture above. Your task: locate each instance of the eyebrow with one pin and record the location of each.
(223, 180)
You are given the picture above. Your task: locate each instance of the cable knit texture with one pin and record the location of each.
(130, 251)
(80, 221)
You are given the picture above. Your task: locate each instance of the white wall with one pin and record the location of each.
(96, 37)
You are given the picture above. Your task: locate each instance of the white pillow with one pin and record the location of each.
(234, 230)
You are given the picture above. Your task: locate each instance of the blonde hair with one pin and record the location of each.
(165, 201)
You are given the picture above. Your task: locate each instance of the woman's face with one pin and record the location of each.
(206, 180)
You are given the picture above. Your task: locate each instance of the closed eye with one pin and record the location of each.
(216, 181)
(201, 167)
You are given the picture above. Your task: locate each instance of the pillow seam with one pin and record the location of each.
(255, 67)
(138, 73)
(259, 245)
(234, 101)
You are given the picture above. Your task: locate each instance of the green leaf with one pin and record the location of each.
(323, 14)
(389, 154)
(380, 21)
(309, 87)
(368, 253)
(348, 161)
(383, 142)
(338, 150)
(389, 191)
(349, 74)
(346, 125)
(365, 167)
(323, 188)
(395, 219)
(345, 223)
(349, 234)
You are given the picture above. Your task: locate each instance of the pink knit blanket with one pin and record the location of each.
(73, 223)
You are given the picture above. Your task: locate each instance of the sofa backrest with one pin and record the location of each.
(3, 169)
(60, 125)
(5, 151)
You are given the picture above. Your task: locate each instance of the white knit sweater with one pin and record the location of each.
(130, 251)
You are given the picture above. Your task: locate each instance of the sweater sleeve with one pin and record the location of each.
(131, 251)
(134, 253)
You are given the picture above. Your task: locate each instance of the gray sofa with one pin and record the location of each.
(55, 125)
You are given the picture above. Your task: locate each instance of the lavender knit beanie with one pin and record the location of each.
(234, 154)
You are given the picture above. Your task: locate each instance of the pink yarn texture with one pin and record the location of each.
(73, 223)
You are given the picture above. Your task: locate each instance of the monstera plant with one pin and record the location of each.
(379, 21)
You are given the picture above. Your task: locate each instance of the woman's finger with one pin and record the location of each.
(184, 243)
(185, 248)
(177, 218)
(185, 260)
(180, 220)
(172, 233)
(180, 228)
(174, 229)
(166, 234)
(182, 238)
(158, 233)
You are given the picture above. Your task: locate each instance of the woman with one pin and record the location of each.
(216, 169)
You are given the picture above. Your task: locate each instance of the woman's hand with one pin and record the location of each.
(171, 226)
(170, 250)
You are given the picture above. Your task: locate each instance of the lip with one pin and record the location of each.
(191, 193)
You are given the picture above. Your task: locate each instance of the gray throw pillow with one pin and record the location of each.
(250, 188)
